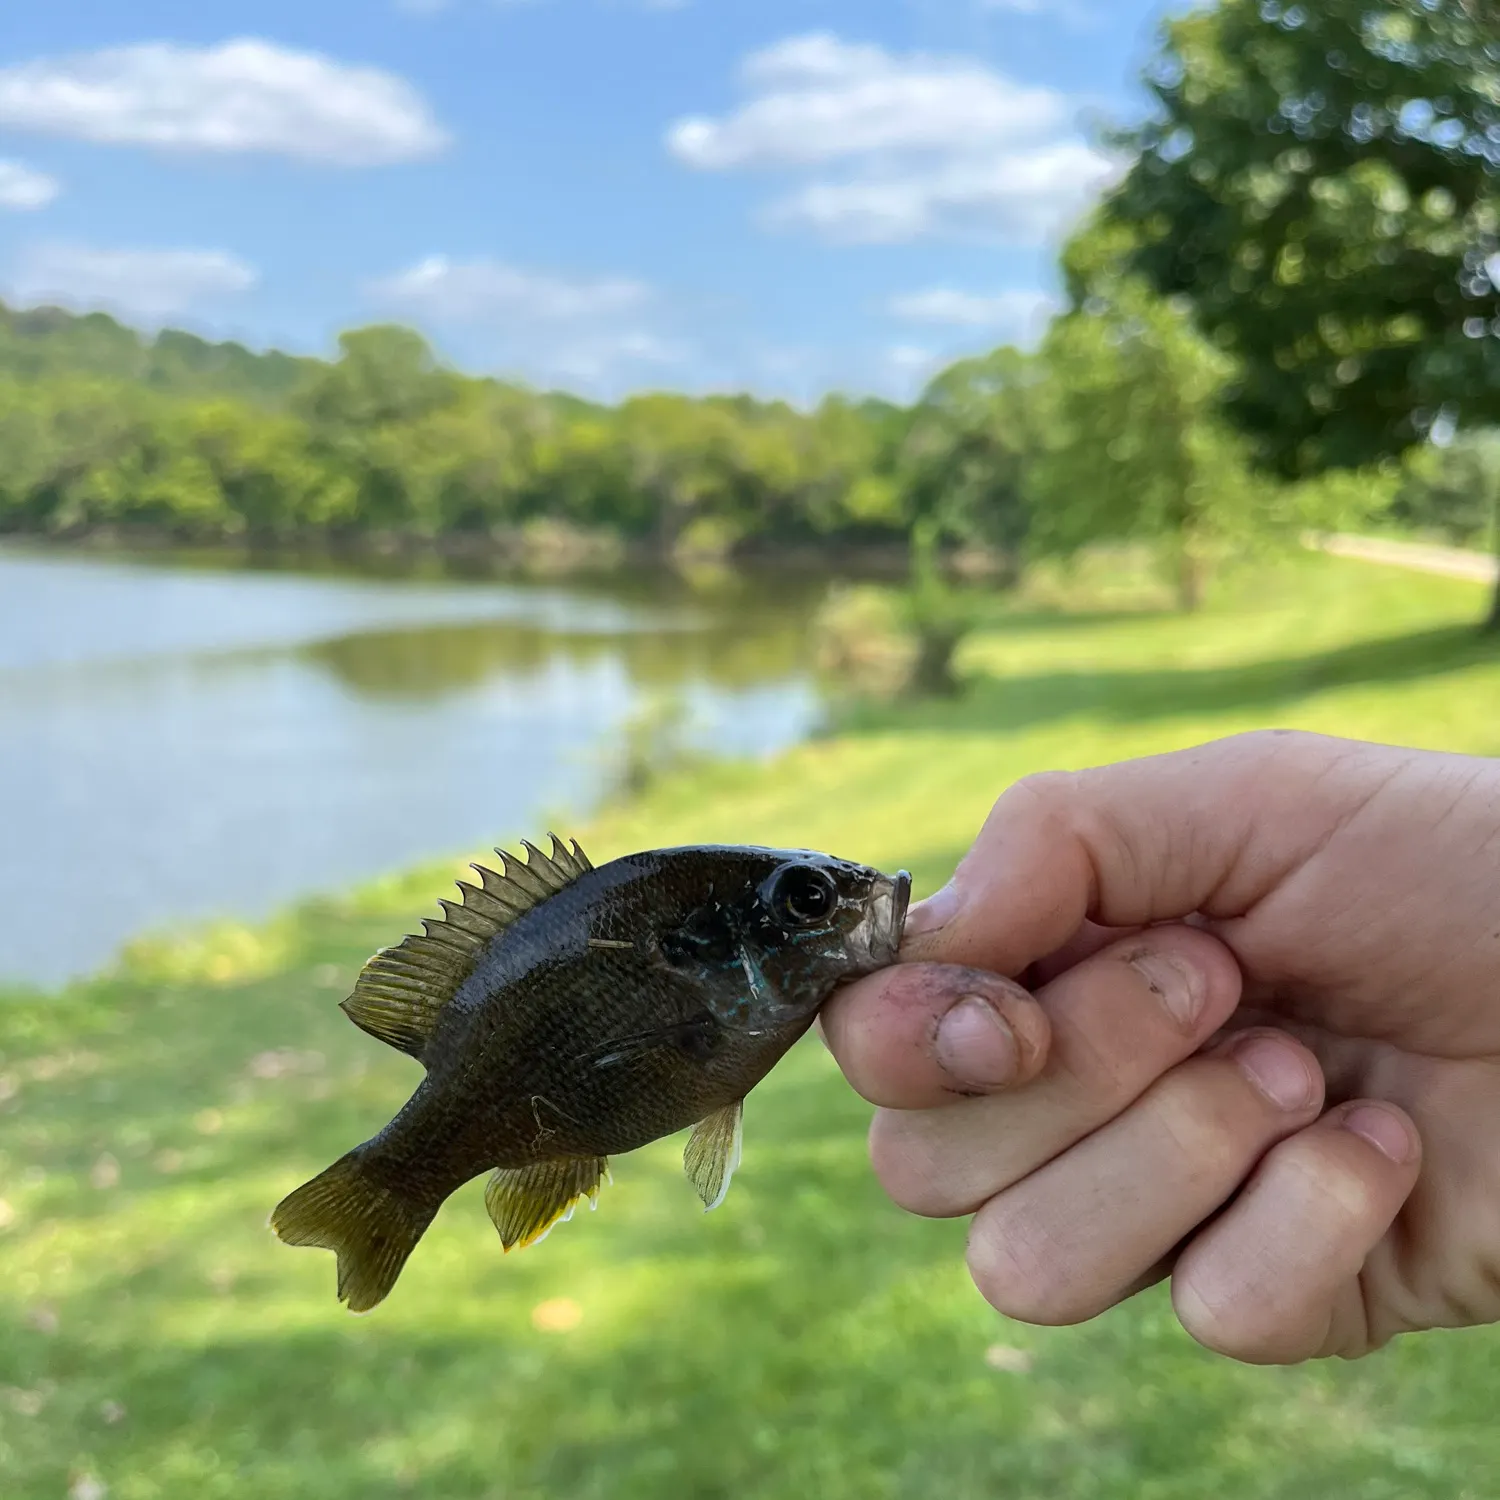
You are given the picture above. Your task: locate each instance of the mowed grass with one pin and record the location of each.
(807, 1339)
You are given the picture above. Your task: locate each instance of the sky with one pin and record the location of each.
(781, 196)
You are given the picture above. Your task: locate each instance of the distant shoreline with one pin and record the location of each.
(553, 551)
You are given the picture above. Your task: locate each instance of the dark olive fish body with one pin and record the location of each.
(565, 1014)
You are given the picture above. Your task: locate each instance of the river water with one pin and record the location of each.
(191, 739)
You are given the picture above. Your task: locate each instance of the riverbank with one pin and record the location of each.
(804, 1339)
(541, 549)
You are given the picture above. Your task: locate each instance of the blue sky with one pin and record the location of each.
(780, 195)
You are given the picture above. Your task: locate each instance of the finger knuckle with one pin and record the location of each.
(1316, 1171)
(1299, 745)
(1021, 1272)
(1206, 1119)
(1104, 1071)
(1047, 798)
(1048, 789)
(909, 1168)
(1237, 1327)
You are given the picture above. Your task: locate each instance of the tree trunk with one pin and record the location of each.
(1008, 573)
(932, 672)
(1191, 572)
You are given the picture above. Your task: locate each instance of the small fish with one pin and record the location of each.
(565, 1014)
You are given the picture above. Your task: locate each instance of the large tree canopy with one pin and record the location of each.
(1322, 183)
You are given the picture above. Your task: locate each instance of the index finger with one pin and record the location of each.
(1209, 831)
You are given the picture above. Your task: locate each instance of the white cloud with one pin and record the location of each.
(899, 147)
(144, 284)
(911, 357)
(23, 188)
(600, 362)
(1072, 13)
(1021, 197)
(541, 324)
(820, 99)
(491, 291)
(241, 96)
(1017, 311)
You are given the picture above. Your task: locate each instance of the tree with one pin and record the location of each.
(968, 441)
(271, 481)
(680, 454)
(1322, 182)
(949, 470)
(383, 374)
(1455, 489)
(1135, 446)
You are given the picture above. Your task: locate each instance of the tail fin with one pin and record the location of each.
(372, 1229)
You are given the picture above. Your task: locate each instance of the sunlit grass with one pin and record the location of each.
(804, 1340)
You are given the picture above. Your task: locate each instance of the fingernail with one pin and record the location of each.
(976, 1045)
(1278, 1071)
(1383, 1131)
(936, 911)
(1179, 988)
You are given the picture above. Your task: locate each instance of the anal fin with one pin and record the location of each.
(713, 1153)
(525, 1202)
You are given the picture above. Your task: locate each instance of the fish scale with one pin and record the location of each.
(566, 1013)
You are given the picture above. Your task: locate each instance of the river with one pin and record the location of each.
(187, 739)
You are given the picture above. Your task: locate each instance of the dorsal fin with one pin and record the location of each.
(402, 990)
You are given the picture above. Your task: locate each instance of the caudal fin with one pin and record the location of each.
(372, 1229)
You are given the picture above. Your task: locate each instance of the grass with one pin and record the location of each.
(805, 1340)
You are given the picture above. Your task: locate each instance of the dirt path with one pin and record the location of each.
(1452, 562)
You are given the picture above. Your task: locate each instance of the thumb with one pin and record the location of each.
(1210, 830)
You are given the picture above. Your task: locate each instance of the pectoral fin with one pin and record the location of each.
(525, 1202)
(713, 1153)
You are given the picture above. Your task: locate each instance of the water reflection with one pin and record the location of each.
(440, 660)
(222, 741)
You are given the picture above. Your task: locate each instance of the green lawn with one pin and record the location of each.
(806, 1340)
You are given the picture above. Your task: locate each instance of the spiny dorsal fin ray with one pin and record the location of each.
(525, 1202)
(402, 990)
(713, 1152)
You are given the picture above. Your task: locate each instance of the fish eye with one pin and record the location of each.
(801, 895)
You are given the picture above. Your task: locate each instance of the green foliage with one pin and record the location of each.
(1109, 434)
(46, 343)
(805, 1339)
(99, 428)
(967, 446)
(1323, 182)
(654, 746)
(1454, 491)
(1134, 444)
(861, 643)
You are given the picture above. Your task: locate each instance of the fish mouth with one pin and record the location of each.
(876, 941)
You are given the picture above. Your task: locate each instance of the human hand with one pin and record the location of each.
(1250, 1040)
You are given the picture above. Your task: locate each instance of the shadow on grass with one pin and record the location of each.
(1035, 619)
(1026, 701)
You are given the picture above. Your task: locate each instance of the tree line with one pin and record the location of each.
(1286, 315)
(384, 440)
